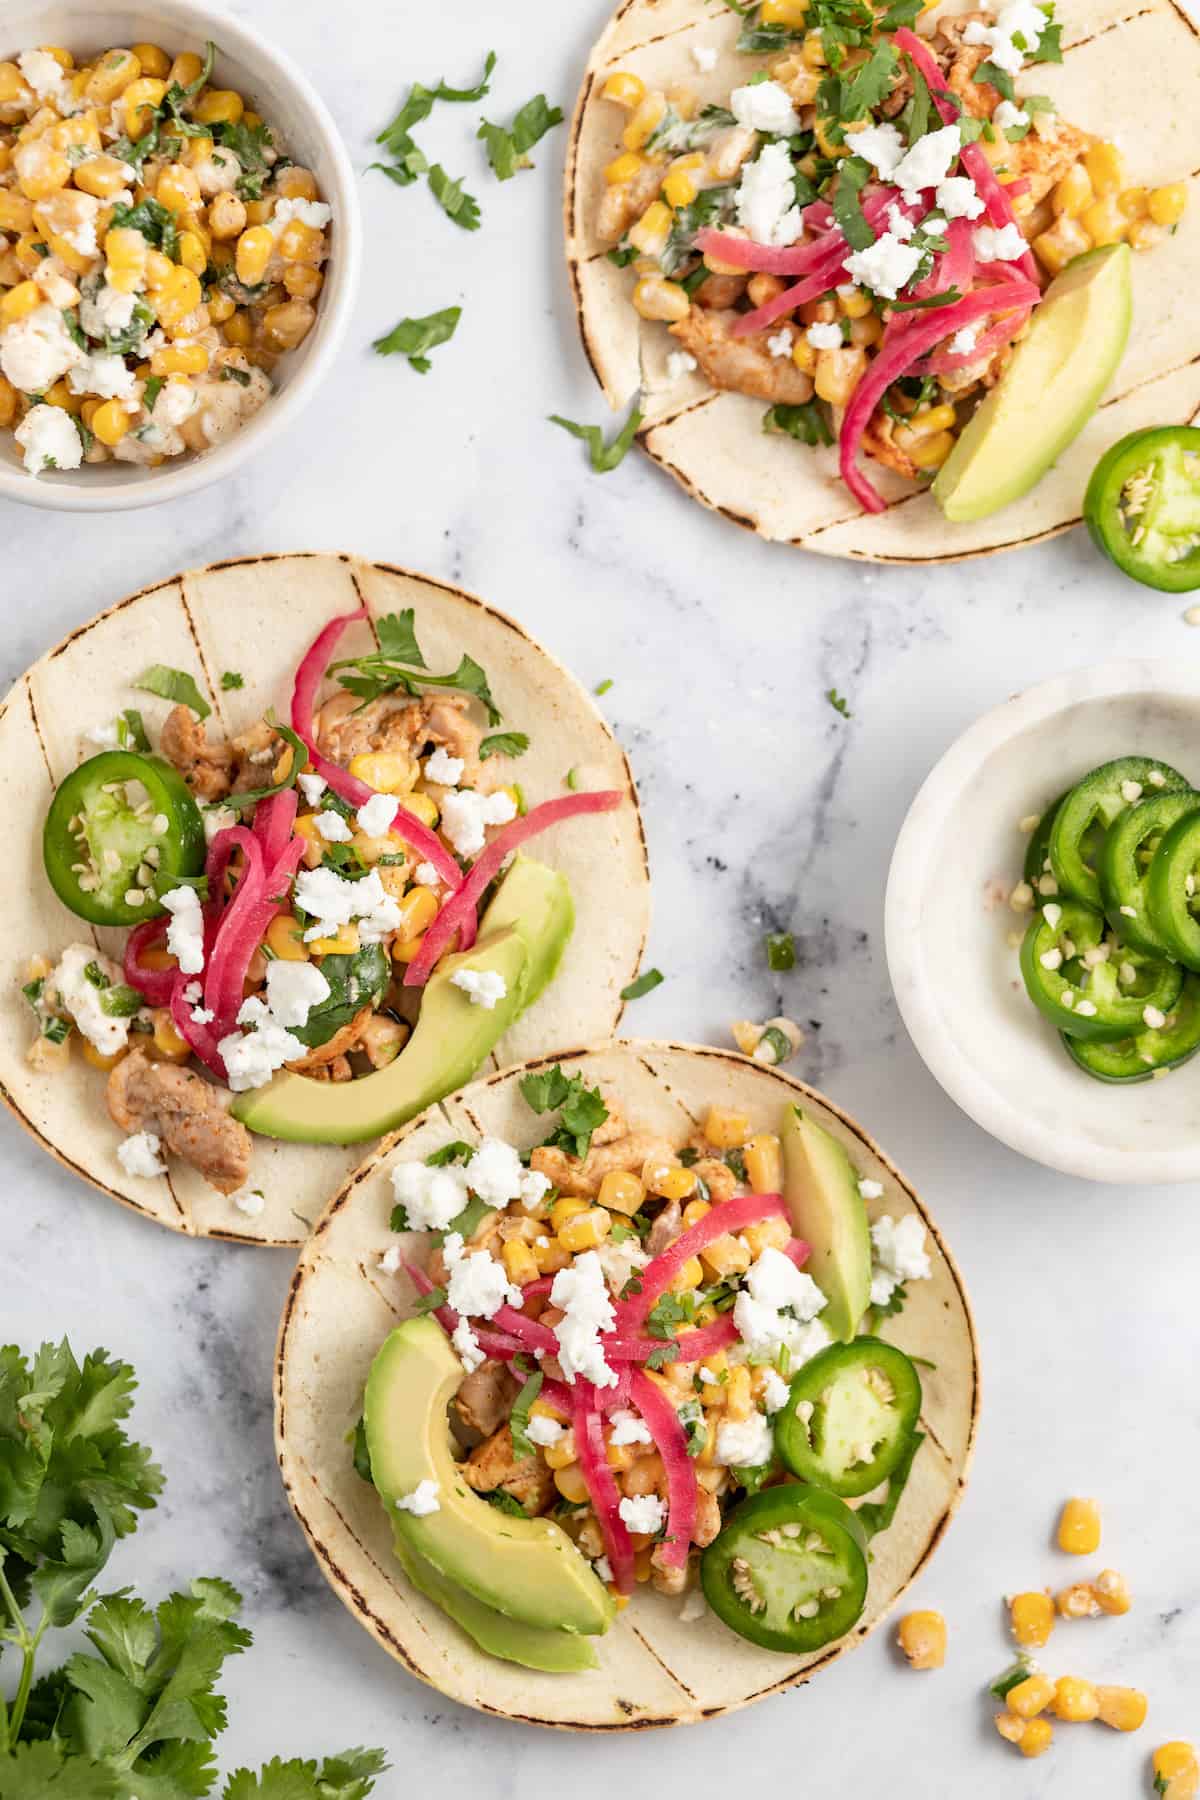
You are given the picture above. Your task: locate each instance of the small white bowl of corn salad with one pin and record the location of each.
(179, 249)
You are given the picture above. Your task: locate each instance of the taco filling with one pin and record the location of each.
(633, 1362)
(860, 231)
(322, 925)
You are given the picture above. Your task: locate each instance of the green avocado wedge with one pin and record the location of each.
(526, 1570)
(1049, 391)
(821, 1188)
(522, 937)
(533, 1646)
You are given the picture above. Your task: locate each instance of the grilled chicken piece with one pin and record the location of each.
(878, 443)
(720, 291)
(581, 1180)
(483, 1403)
(186, 1113)
(206, 767)
(624, 203)
(493, 1465)
(1043, 161)
(979, 98)
(742, 364)
(344, 731)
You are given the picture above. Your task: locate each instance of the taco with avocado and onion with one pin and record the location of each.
(622, 1390)
(288, 885)
(839, 249)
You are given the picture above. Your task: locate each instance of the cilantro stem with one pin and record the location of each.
(27, 1642)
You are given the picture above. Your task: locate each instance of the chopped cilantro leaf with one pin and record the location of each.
(231, 679)
(504, 743)
(838, 703)
(173, 684)
(645, 984)
(781, 951)
(805, 422)
(453, 199)
(853, 176)
(519, 1419)
(581, 1109)
(604, 457)
(508, 150)
(413, 338)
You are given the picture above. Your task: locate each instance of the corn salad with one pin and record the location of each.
(158, 254)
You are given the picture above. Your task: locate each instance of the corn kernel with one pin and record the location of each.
(139, 101)
(626, 89)
(1122, 1708)
(726, 1129)
(623, 168)
(287, 325)
(1104, 221)
(387, 771)
(285, 939)
(345, 943)
(1073, 192)
(670, 1181)
(99, 1059)
(564, 1209)
(179, 359)
(1144, 234)
(550, 1258)
(651, 231)
(418, 910)
(18, 302)
(1079, 1528)
(922, 1637)
(1032, 1619)
(422, 807)
(296, 183)
(113, 73)
(1106, 167)
(1065, 240)
(1009, 1726)
(838, 373)
(585, 1230)
(16, 211)
(784, 12)
(160, 270)
(299, 242)
(219, 106)
(932, 452)
(694, 1211)
(167, 1041)
(1176, 1771)
(763, 1156)
(302, 281)
(101, 176)
(255, 248)
(1075, 1700)
(690, 1275)
(1037, 1737)
(153, 60)
(60, 394)
(1112, 1592)
(1078, 1602)
(813, 50)
(739, 1399)
(1166, 205)
(519, 1262)
(1031, 1696)
(571, 1484)
(726, 1255)
(187, 68)
(656, 298)
(805, 359)
(8, 403)
(645, 121)
(621, 1191)
(110, 422)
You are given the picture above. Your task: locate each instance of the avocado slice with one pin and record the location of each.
(821, 1188)
(1049, 391)
(522, 937)
(523, 1569)
(534, 1647)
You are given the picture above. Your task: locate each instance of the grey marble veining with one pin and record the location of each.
(764, 809)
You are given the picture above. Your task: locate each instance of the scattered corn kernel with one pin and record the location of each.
(726, 1129)
(621, 1192)
(1032, 1619)
(1031, 1696)
(585, 1230)
(626, 89)
(1078, 1602)
(1075, 1700)
(1079, 1528)
(922, 1637)
(623, 168)
(1122, 1708)
(1176, 1771)
(1166, 205)
(1112, 1592)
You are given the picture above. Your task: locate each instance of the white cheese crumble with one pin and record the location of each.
(765, 106)
(251, 1201)
(580, 1292)
(1021, 19)
(43, 72)
(776, 1303)
(483, 987)
(333, 828)
(105, 374)
(467, 1346)
(745, 1443)
(962, 344)
(81, 998)
(627, 1428)
(693, 1608)
(899, 1255)
(389, 1262)
(465, 815)
(106, 311)
(309, 212)
(252, 1057)
(544, 1431)
(138, 1154)
(311, 786)
(444, 769)
(870, 1190)
(430, 1197)
(48, 437)
(333, 902)
(929, 161)
(36, 350)
(375, 815)
(425, 875)
(880, 145)
(422, 1501)
(705, 58)
(824, 337)
(679, 364)
(217, 819)
(293, 989)
(885, 266)
(1004, 245)
(780, 344)
(185, 932)
(643, 1513)
(766, 198)
(477, 1285)
(775, 1391)
(958, 197)
(1008, 117)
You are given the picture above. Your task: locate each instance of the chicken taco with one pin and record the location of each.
(624, 1390)
(848, 252)
(304, 844)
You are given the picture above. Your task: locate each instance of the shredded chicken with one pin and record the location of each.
(979, 99)
(581, 1180)
(494, 1464)
(255, 753)
(743, 364)
(720, 291)
(207, 767)
(345, 730)
(483, 1403)
(185, 1111)
(1043, 161)
(879, 444)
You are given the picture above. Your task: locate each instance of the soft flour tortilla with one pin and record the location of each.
(1130, 69)
(257, 616)
(654, 1669)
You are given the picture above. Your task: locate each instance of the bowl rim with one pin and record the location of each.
(1064, 1148)
(237, 38)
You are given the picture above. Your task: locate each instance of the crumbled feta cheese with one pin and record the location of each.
(217, 819)
(81, 997)
(777, 1301)
(467, 1345)
(106, 311)
(425, 875)
(643, 1513)
(389, 1262)
(627, 1428)
(775, 1391)
(1008, 117)
(603, 1568)
(679, 364)
(495, 1172)
(765, 106)
(544, 1431)
(929, 161)
(465, 815)
(293, 989)
(766, 198)
(705, 58)
(958, 197)
(745, 1443)
(824, 337)
(219, 173)
(899, 1255)
(620, 1261)
(781, 343)
(422, 1501)
(333, 828)
(880, 145)
(871, 1190)
(43, 72)
(1021, 19)
(309, 212)
(375, 815)
(48, 437)
(582, 1295)
(104, 374)
(483, 987)
(534, 1188)
(477, 1285)
(311, 786)
(36, 350)
(185, 932)
(902, 227)
(176, 402)
(252, 1057)
(962, 344)
(333, 902)
(251, 1202)
(1005, 245)
(443, 768)
(138, 1154)
(885, 266)
(430, 1197)
(105, 737)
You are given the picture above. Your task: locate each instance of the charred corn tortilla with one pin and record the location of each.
(257, 616)
(1130, 68)
(654, 1669)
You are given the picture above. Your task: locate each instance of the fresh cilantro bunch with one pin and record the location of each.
(134, 1717)
(581, 1110)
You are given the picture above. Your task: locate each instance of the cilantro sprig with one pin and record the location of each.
(415, 338)
(398, 665)
(604, 456)
(581, 1110)
(508, 147)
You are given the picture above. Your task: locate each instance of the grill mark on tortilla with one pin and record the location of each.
(1189, 22)
(666, 1668)
(1145, 12)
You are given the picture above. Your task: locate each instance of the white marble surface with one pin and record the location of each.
(763, 807)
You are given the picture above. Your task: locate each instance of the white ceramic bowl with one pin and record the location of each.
(291, 104)
(948, 921)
